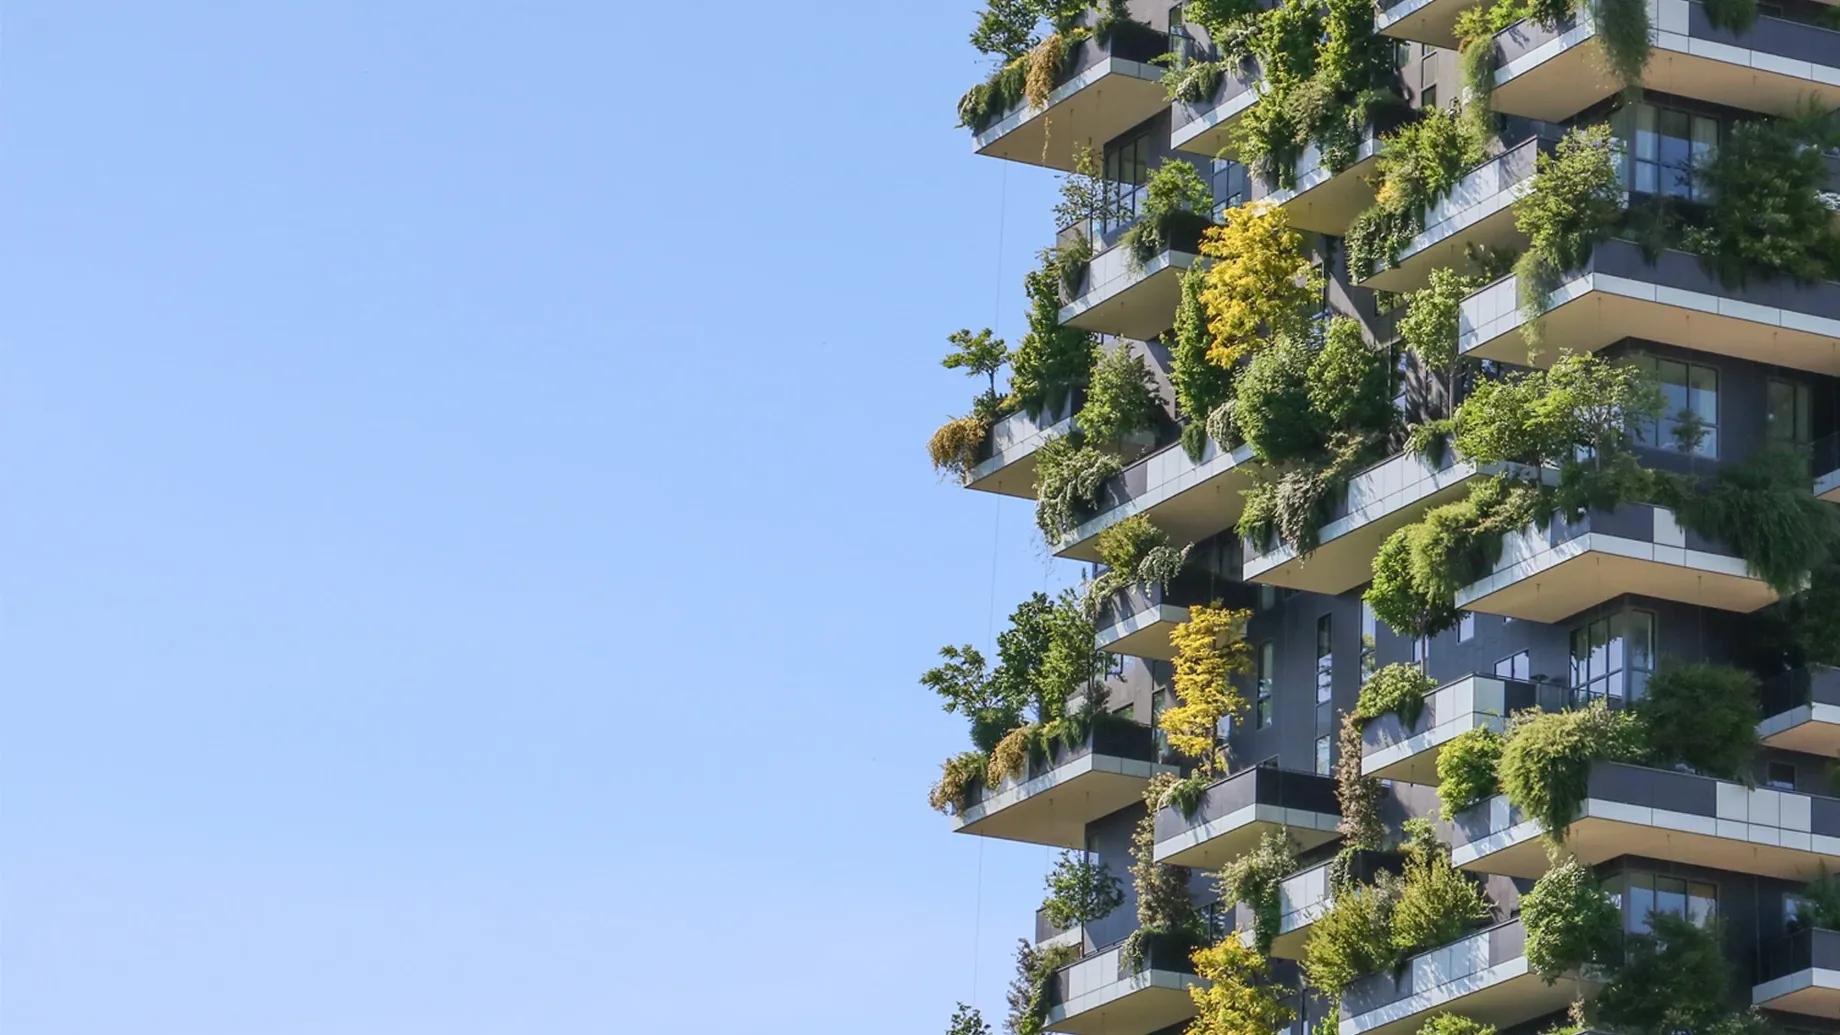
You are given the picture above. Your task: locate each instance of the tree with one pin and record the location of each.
(1237, 996)
(966, 1020)
(1209, 649)
(1122, 400)
(1701, 715)
(1080, 891)
(979, 354)
(1006, 28)
(966, 687)
(1053, 360)
(1260, 282)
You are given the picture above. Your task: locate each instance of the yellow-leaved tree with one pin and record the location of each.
(1260, 284)
(1238, 997)
(1210, 649)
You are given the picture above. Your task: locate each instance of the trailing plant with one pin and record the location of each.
(1570, 921)
(1703, 716)
(966, 1020)
(1221, 18)
(1772, 216)
(1259, 282)
(1398, 689)
(1437, 903)
(1466, 770)
(1430, 325)
(1419, 164)
(1175, 196)
(1192, 81)
(1546, 762)
(1253, 879)
(1236, 995)
(1763, 510)
(1358, 796)
(1010, 758)
(1053, 360)
(1122, 400)
(1200, 384)
(1028, 991)
(1674, 978)
(1184, 795)
(1165, 908)
(1080, 891)
(954, 448)
(1623, 33)
(1135, 552)
(1210, 648)
(1420, 567)
(1574, 200)
(984, 103)
(1045, 63)
(1068, 476)
(957, 774)
(1818, 903)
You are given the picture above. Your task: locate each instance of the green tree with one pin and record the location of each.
(1053, 361)
(966, 687)
(1122, 400)
(980, 354)
(1701, 715)
(1570, 921)
(966, 1020)
(1006, 28)
(1080, 891)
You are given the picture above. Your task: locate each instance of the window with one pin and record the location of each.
(1160, 702)
(1421, 651)
(1780, 776)
(1669, 144)
(1268, 597)
(1515, 666)
(1127, 169)
(1322, 756)
(1427, 98)
(1649, 893)
(1128, 713)
(1402, 53)
(1325, 660)
(1687, 388)
(1791, 413)
(1612, 657)
(1262, 716)
(1114, 666)
(1466, 627)
(1230, 185)
(1370, 635)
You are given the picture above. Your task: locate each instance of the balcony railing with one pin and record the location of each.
(1801, 710)
(1306, 895)
(1099, 996)
(1484, 976)
(1393, 750)
(1120, 296)
(1101, 91)
(1800, 973)
(1137, 620)
(1058, 795)
(1006, 464)
(1237, 811)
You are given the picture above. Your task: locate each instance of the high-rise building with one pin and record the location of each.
(1442, 399)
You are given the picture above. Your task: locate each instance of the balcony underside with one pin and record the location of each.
(1145, 634)
(1488, 224)
(1584, 572)
(1054, 808)
(1212, 845)
(1809, 728)
(1200, 501)
(1506, 994)
(1814, 992)
(1595, 311)
(1089, 110)
(1325, 202)
(1344, 558)
(1423, 21)
(1520, 851)
(1210, 135)
(1013, 473)
(1145, 1002)
(1135, 306)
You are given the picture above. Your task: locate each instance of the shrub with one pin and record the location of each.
(1701, 715)
(1466, 770)
(1358, 796)
(1673, 979)
(1570, 921)
(1351, 382)
(1546, 762)
(1134, 552)
(1053, 360)
(1200, 384)
(1437, 903)
(1272, 403)
(1769, 177)
(1454, 1024)
(1174, 194)
(955, 446)
(1398, 689)
(1819, 902)
(1210, 648)
(1122, 400)
(1420, 567)
(1010, 758)
(1068, 476)
(1253, 879)
(1028, 991)
(1351, 939)
(1582, 404)
(1763, 510)
(1419, 164)
(1165, 908)
(1260, 282)
(955, 779)
(1430, 325)
(1574, 201)
(1080, 891)
(1736, 16)
(1236, 995)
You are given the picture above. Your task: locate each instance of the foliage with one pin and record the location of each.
(1437, 903)
(1674, 978)
(1810, 620)
(1351, 382)
(1430, 324)
(1046, 60)
(984, 103)
(1574, 201)
(1701, 715)
(1768, 176)
(1272, 402)
(1735, 16)
(1165, 908)
(1454, 1024)
(1194, 81)
(1399, 689)
(1352, 938)
(1253, 878)
(1200, 384)
(1466, 770)
(1175, 194)
(1357, 796)
(1068, 476)
(955, 446)
(1818, 902)
(957, 774)
(1010, 758)
(1419, 164)
(1582, 404)
(1122, 400)
(1086, 198)
(1220, 17)
(1763, 510)
(1570, 921)
(1028, 991)
(1071, 661)
(966, 1020)
(992, 703)
(1006, 28)
(979, 354)
(1210, 648)
(1546, 762)
(1053, 360)
(1185, 795)
(1420, 567)
(1236, 995)
(1080, 891)
(1259, 282)
(1135, 552)
(1622, 32)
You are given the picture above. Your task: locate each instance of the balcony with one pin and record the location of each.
(1825, 462)
(1660, 814)
(1236, 812)
(1008, 465)
(1801, 711)
(1325, 201)
(1190, 500)
(1619, 295)
(1052, 803)
(1097, 996)
(1103, 91)
(1048, 936)
(1484, 976)
(1393, 750)
(1422, 21)
(1775, 67)
(1801, 974)
(1305, 896)
(1548, 576)
(1378, 501)
(1131, 300)
(1137, 621)
(1478, 212)
(1204, 129)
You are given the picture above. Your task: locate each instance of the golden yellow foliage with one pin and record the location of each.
(1044, 65)
(1010, 757)
(954, 447)
(1260, 284)
(1210, 648)
(1237, 997)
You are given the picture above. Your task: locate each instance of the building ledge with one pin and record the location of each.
(1391, 750)
(1055, 801)
(1237, 811)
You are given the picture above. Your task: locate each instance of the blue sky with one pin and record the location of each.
(470, 543)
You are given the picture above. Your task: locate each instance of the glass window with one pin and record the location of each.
(1690, 392)
(1263, 713)
(1517, 666)
(1669, 145)
(1613, 656)
(1791, 414)
(1649, 893)
(1325, 660)
(1322, 756)
(1268, 597)
(1370, 635)
(1780, 776)
(1421, 651)
(1466, 627)
(1230, 185)
(1114, 666)
(1127, 169)
(1427, 99)
(1160, 702)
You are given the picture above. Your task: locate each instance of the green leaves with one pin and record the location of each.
(1122, 399)
(1701, 715)
(1466, 770)
(1080, 891)
(1546, 763)
(1398, 689)
(1570, 921)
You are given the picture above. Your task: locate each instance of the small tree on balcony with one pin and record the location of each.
(1210, 649)
(1080, 891)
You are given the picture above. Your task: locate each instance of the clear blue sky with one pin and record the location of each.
(469, 545)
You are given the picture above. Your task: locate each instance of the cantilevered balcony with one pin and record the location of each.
(1205, 128)
(1548, 576)
(1801, 711)
(1824, 461)
(1236, 812)
(1048, 935)
(1619, 294)
(1484, 976)
(1098, 996)
(1137, 620)
(1378, 501)
(1324, 200)
(1305, 896)
(1478, 213)
(1660, 814)
(1801, 974)
(1423, 21)
(1103, 90)
(1122, 296)
(1055, 799)
(1392, 749)
(1008, 463)
(1188, 499)
(1776, 67)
